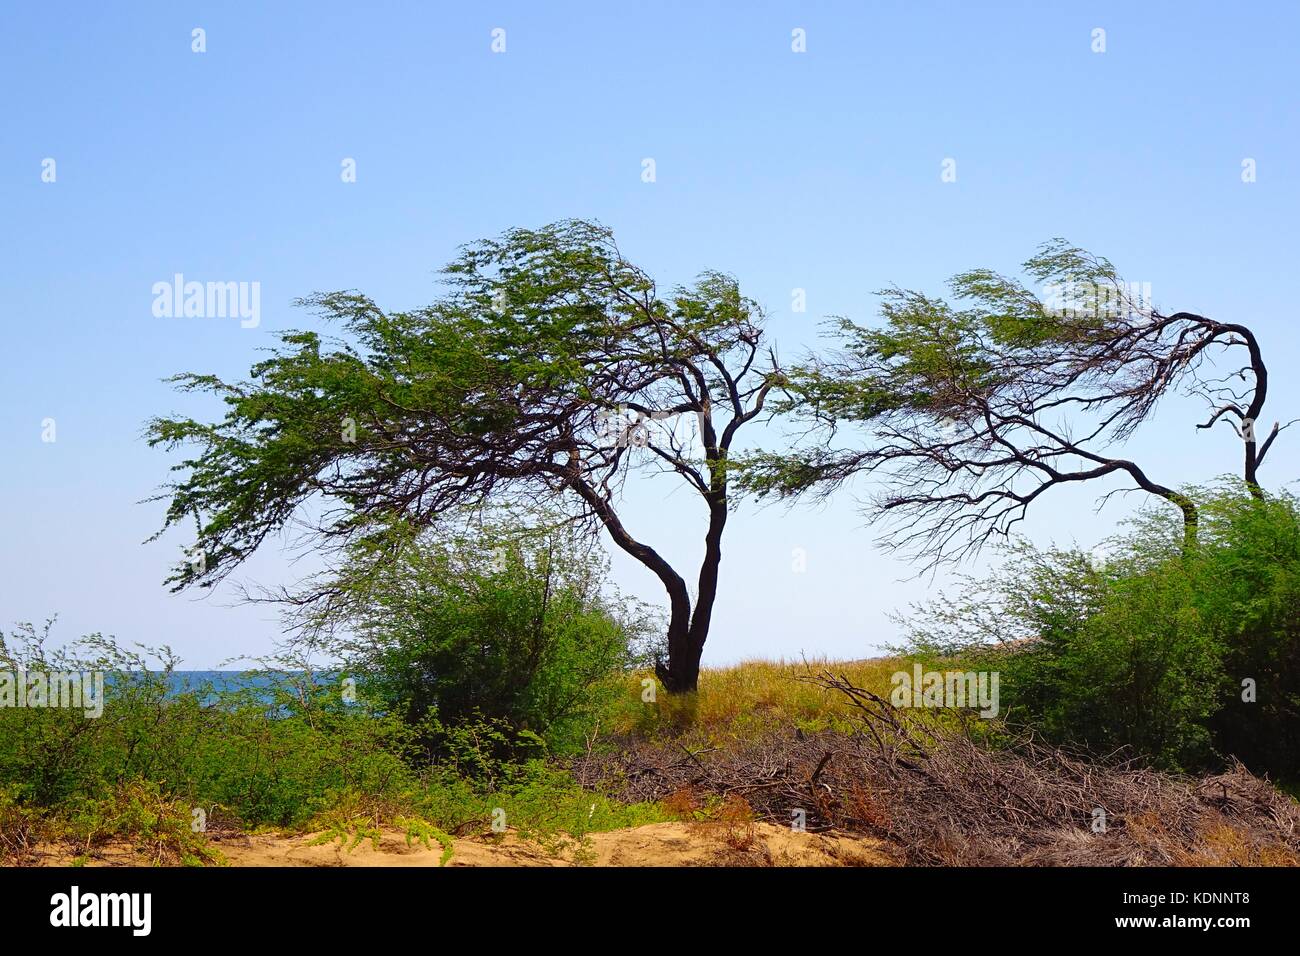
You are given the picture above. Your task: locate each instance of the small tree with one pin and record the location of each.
(550, 370)
(973, 413)
(492, 622)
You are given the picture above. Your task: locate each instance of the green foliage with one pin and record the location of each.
(285, 750)
(267, 754)
(495, 642)
(138, 812)
(1248, 587)
(493, 392)
(535, 799)
(1148, 648)
(423, 832)
(484, 750)
(969, 410)
(929, 357)
(354, 817)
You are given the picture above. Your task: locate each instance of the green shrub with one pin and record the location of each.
(160, 827)
(265, 754)
(1248, 573)
(497, 626)
(1148, 647)
(288, 749)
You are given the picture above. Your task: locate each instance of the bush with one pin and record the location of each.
(496, 626)
(270, 753)
(1148, 647)
(1248, 573)
(288, 748)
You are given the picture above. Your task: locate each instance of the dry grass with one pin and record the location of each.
(732, 822)
(935, 789)
(750, 699)
(20, 829)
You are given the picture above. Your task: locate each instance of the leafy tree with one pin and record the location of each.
(973, 411)
(550, 370)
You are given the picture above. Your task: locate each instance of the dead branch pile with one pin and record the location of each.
(940, 797)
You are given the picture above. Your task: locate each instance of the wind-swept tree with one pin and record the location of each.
(971, 412)
(549, 370)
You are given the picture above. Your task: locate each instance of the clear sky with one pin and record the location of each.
(818, 170)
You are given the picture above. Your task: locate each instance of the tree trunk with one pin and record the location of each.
(1256, 408)
(687, 629)
(693, 648)
(681, 673)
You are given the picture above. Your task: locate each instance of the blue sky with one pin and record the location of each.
(816, 170)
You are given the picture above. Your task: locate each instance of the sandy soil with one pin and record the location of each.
(658, 844)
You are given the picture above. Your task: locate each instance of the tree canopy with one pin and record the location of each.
(972, 409)
(550, 369)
